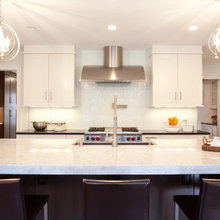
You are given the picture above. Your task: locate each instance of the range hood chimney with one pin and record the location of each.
(113, 71)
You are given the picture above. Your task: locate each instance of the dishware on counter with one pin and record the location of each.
(59, 126)
(172, 129)
(39, 125)
(188, 127)
(56, 126)
(50, 126)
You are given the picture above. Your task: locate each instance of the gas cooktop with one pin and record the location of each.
(124, 135)
(103, 129)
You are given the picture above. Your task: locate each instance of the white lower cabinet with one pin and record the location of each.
(74, 136)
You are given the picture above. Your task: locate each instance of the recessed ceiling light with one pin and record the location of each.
(193, 28)
(31, 28)
(112, 27)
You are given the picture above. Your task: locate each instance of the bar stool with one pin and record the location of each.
(206, 206)
(15, 206)
(116, 199)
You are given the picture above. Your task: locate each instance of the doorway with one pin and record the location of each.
(8, 102)
(207, 115)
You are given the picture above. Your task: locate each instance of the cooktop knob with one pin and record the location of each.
(128, 138)
(133, 138)
(92, 138)
(97, 138)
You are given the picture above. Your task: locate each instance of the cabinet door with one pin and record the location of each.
(61, 80)
(164, 79)
(190, 80)
(35, 87)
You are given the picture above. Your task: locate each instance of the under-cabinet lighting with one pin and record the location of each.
(33, 150)
(193, 28)
(112, 27)
(31, 28)
(67, 150)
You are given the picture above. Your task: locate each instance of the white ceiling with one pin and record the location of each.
(140, 23)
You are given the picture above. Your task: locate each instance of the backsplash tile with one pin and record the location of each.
(94, 101)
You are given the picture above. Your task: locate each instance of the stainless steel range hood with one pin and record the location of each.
(113, 71)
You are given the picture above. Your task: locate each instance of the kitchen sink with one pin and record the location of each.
(120, 143)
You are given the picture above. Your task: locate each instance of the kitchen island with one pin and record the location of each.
(56, 167)
(63, 157)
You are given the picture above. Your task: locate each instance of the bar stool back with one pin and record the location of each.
(206, 206)
(15, 206)
(116, 199)
(12, 204)
(209, 205)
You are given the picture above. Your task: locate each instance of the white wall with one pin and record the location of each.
(211, 70)
(94, 100)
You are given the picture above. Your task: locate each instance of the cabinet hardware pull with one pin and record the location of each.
(45, 95)
(50, 95)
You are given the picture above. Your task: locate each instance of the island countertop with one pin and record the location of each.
(61, 157)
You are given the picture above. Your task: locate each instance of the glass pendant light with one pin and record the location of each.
(9, 41)
(214, 42)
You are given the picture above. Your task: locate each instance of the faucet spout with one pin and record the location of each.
(115, 121)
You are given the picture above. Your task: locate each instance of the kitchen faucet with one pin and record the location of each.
(115, 119)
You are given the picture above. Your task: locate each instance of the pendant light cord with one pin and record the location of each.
(1, 18)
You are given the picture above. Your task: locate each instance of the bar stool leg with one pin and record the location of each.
(45, 211)
(176, 212)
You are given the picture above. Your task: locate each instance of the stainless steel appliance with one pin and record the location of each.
(113, 71)
(103, 135)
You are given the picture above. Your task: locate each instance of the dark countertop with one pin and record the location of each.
(208, 123)
(81, 132)
(66, 132)
(163, 132)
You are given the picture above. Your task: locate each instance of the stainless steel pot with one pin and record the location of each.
(39, 125)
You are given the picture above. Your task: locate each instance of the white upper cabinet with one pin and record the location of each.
(61, 80)
(177, 76)
(49, 76)
(190, 79)
(35, 80)
(164, 79)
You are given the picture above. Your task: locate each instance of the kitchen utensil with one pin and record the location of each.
(60, 126)
(39, 125)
